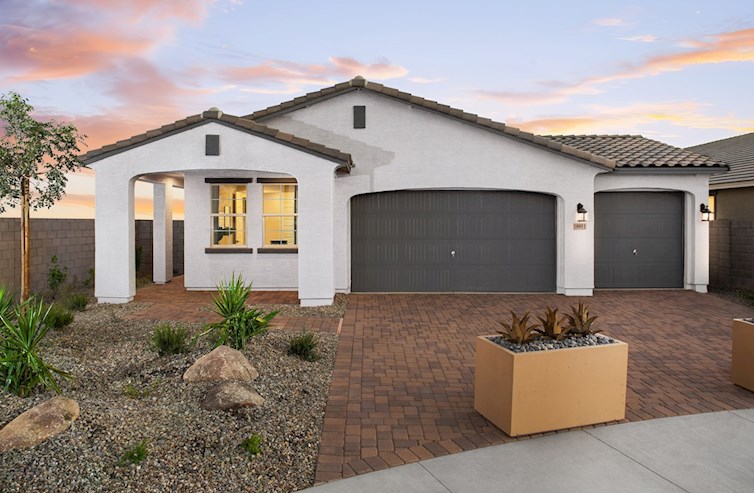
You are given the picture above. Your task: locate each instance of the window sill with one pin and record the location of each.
(228, 250)
(277, 250)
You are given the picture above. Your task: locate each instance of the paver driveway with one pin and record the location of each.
(403, 383)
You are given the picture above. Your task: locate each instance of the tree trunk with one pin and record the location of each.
(25, 237)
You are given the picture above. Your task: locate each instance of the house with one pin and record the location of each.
(732, 199)
(732, 193)
(361, 187)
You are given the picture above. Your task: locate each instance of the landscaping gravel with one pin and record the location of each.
(127, 393)
(543, 344)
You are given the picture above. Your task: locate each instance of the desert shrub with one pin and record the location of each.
(304, 346)
(58, 316)
(240, 323)
(252, 445)
(89, 281)
(136, 454)
(7, 301)
(77, 301)
(22, 368)
(579, 321)
(167, 339)
(139, 392)
(56, 276)
(552, 328)
(519, 331)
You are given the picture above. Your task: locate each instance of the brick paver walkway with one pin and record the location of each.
(171, 301)
(402, 389)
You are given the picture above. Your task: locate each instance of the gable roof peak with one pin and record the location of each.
(214, 112)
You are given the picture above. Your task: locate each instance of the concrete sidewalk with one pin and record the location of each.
(711, 452)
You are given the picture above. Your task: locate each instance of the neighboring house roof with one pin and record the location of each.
(498, 127)
(635, 151)
(215, 115)
(738, 152)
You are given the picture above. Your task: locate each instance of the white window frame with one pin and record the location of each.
(279, 183)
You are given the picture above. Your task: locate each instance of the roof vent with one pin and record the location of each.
(213, 112)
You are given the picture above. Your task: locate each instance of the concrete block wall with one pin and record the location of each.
(72, 241)
(732, 253)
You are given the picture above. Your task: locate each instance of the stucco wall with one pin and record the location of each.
(735, 203)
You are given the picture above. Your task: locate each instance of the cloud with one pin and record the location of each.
(634, 118)
(283, 77)
(736, 46)
(646, 38)
(609, 21)
(40, 40)
(425, 80)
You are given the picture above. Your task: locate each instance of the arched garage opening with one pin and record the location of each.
(453, 240)
(638, 240)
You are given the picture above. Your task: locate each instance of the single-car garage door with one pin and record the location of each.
(452, 240)
(638, 240)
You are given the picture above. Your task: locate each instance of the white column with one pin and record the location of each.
(315, 243)
(696, 242)
(576, 246)
(162, 233)
(114, 229)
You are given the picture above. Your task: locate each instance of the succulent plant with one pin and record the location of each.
(579, 321)
(552, 328)
(519, 331)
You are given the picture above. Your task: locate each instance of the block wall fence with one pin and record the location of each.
(731, 253)
(72, 241)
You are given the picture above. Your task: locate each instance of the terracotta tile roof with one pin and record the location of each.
(635, 151)
(234, 121)
(498, 127)
(738, 152)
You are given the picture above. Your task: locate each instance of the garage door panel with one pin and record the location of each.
(649, 223)
(402, 241)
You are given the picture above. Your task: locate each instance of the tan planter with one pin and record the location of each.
(525, 393)
(743, 354)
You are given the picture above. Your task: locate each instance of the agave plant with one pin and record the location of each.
(579, 321)
(552, 328)
(231, 296)
(519, 331)
(6, 303)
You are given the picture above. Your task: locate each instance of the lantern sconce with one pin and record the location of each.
(707, 214)
(582, 215)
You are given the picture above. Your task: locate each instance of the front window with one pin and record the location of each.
(280, 211)
(228, 215)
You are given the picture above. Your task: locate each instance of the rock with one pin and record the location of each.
(39, 423)
(231, 395)
(222, 364)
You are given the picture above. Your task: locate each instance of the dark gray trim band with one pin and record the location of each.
(228, 250)
(228, 180)
(277, 250)
(276, 180)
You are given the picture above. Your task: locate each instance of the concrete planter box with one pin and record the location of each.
(743, 354)
(525, 393)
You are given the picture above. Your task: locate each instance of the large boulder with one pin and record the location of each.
(39, 423)
(220, 365)
(231, 395)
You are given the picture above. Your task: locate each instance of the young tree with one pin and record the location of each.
(34, 159)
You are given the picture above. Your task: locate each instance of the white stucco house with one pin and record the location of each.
(360, 187)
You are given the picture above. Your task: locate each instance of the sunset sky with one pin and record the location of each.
(678, 71)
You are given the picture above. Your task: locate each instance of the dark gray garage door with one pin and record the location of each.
(447, 240)
(638, 240)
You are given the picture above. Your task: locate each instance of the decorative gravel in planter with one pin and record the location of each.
(127, 393)
(543, 344)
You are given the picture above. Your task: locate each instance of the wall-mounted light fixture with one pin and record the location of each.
(582, 215)
(707, 214)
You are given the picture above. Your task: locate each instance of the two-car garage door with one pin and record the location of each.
(452, 240)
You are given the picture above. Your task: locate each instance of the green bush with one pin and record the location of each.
(89, 281)
(56, 276)
(58, 316)
(21, 334)
(7, 302)
(240, 323)
(167, 339)
(304, 346)
(252, 445)
(77, 302)
(135, 454)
